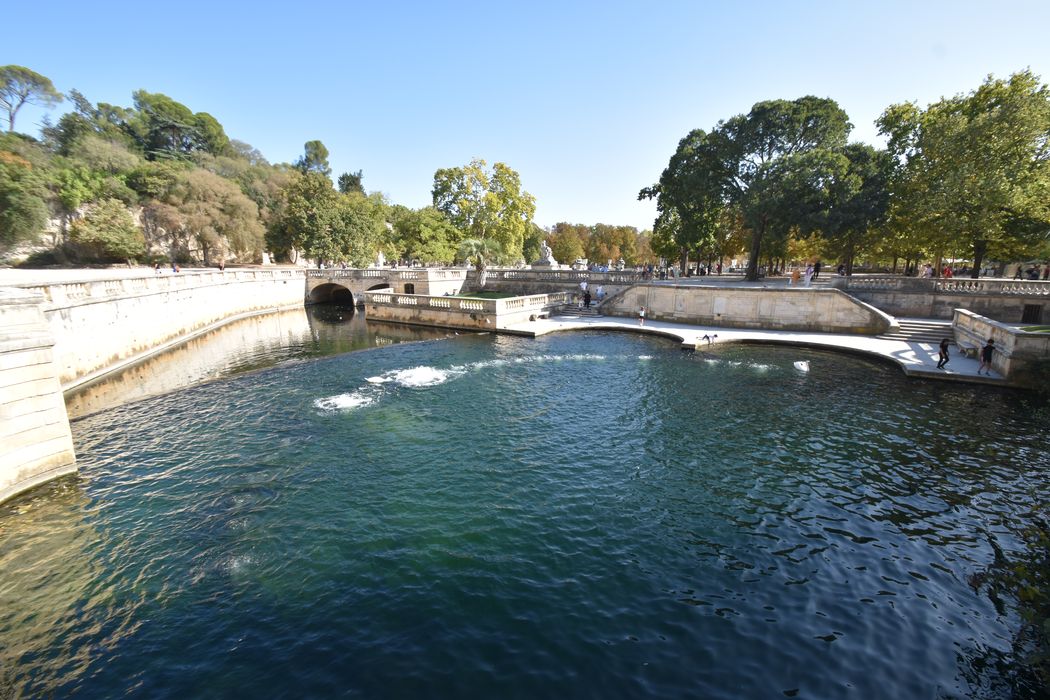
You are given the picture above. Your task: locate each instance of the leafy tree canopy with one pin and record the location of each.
(486, 205)
(20, 86)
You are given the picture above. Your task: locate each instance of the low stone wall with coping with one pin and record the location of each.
(780, 308)
(1005, 300)
(129, 319)
(1017, 353)
(35, 441)
(460, 312)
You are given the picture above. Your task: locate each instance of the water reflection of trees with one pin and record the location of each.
(57, 610)
(241, 346)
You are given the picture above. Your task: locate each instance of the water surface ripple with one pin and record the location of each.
(589, 515)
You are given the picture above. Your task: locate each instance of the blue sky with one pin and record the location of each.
(586, 100)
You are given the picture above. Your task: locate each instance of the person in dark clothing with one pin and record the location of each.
(986, 357)
(816, 269)
(942, 358)
(587, 299)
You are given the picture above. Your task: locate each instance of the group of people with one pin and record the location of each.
(987, 352)
(1032, 273)
(812, 272)
(586, 298)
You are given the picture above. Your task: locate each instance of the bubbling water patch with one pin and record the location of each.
(344, 402)
(424, 377)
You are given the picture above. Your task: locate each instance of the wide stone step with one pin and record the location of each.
(920, 331)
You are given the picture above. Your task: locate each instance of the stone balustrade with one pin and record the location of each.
(1005, 300)
(459, 312)
(953, 285)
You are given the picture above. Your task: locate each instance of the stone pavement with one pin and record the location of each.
(915, 359)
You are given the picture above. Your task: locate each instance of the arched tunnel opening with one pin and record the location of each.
(330, 293)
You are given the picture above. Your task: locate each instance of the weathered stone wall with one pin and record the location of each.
(35, 441)
(1002, 300)
(427, 281)
(528, 282)
(1017, 353)
(798, 309)
(99, 326)
(459, 312)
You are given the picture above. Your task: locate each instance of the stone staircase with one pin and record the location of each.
(920, 330)
(578, 311)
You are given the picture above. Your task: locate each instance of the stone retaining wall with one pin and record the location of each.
(790, 308)
(129, 319)
(35, 441)
(1018, 354)
(459, 312)
(1003, 300)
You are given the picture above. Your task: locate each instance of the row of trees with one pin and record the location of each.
(158, 180)
(969, 176)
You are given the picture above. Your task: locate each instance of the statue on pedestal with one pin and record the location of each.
(546, 256)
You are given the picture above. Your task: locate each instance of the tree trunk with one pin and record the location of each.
(980, 248)
(756, 249)
(683, 262)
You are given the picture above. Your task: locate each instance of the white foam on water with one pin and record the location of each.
(377, 380)
(416, 377)
(344, 402)
(645, 357)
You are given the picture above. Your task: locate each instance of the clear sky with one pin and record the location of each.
(586, 100)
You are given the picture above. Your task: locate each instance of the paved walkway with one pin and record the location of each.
(915, 359)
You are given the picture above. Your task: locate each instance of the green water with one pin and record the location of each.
(581, 515)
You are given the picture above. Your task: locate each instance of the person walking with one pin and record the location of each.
(809, 274)
(942, 357)
(641, 316)
(986, 358)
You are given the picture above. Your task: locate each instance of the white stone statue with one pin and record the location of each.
(546, 256)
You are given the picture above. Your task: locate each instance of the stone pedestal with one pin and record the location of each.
(35, 441)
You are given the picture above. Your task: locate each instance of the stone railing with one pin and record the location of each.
(67, 294)
(567, 276)
(408, 274)
(535, 301)
(459, 312)
(941, 285)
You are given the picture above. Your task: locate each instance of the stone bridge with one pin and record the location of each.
(347, 285)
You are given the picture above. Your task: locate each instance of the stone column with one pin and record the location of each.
(35, 441)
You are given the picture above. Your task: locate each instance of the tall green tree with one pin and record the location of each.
(23, 200)
(974, 170)
(568, 242)
(358, 231)
(486, 205)
(426, 235)
(307, 221)
(108, 232)
(20, 86)
(351, 182)
(738, 164)
(314, 159)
